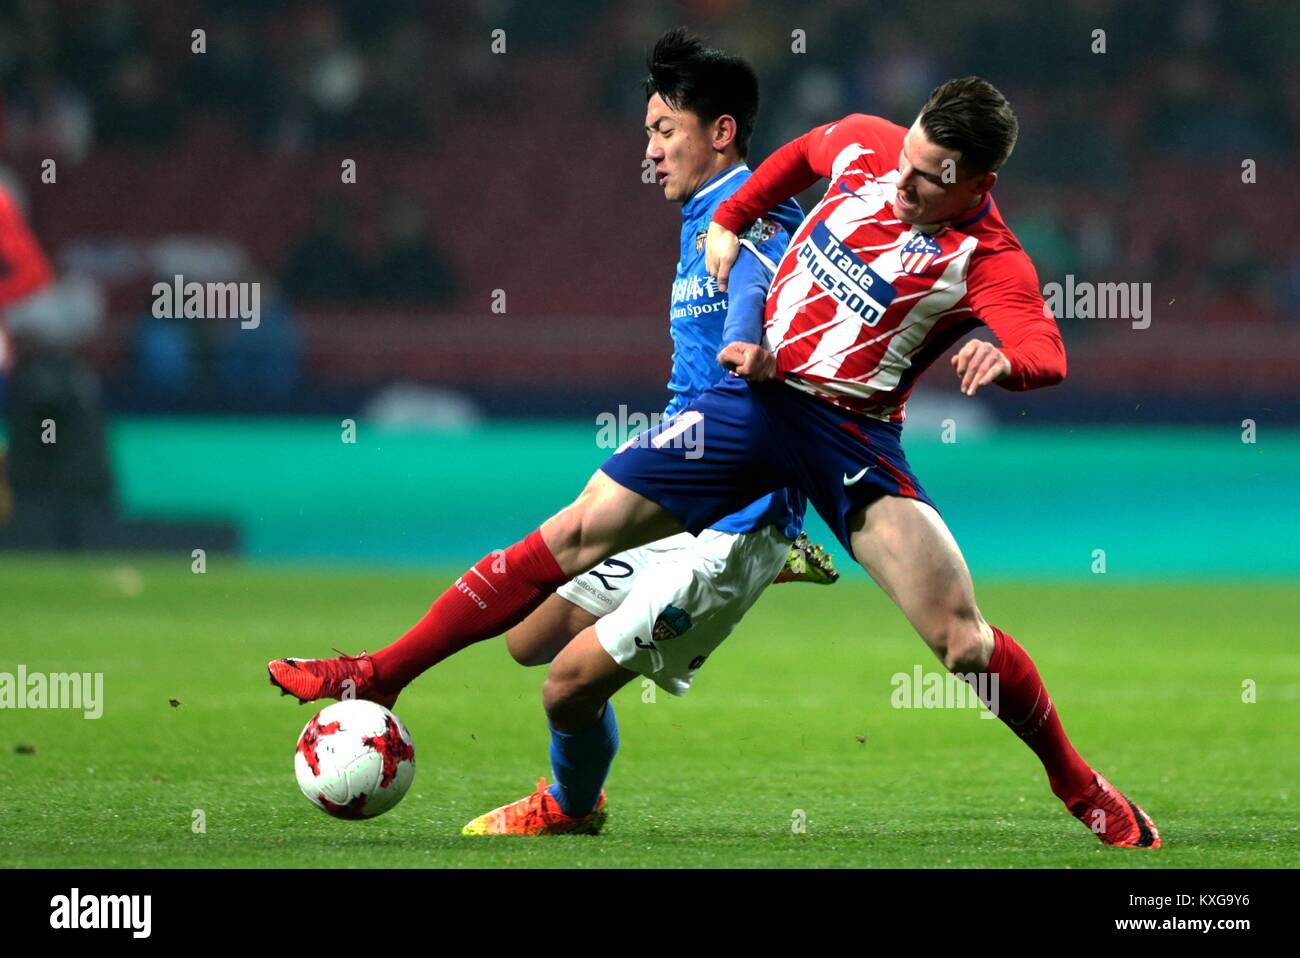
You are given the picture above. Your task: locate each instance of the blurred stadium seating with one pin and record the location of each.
(526, 168)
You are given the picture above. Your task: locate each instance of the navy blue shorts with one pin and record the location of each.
(738, 442)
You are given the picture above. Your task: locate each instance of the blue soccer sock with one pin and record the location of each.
(581, 761)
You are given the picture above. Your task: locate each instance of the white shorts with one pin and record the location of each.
(664, 607)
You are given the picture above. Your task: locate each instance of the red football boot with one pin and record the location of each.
(1113, 817)
(347, 677)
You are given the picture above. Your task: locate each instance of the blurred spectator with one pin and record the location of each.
(408, 267)
(326, 75)
(139, 109)
(395, 108)
(56, 463)
(324, 263)
(66, 485)
(47, 117)
(167, 356)
(235, 76)
(24, 268)
(236, 360)
(264, 361)
(67, 313)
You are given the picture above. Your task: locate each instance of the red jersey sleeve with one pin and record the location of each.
(1003, 293)
(23, 266)
(803, 161)
(881, 137)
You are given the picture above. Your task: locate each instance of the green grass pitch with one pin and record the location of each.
(791, 716)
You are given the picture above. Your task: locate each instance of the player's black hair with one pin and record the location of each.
(707, 82)
(971, 116)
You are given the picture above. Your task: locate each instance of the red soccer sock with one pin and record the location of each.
(497, 593)
(1026, 708)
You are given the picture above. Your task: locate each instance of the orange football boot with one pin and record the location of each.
(538, 814)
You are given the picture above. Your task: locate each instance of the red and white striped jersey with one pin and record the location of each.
(862, 303)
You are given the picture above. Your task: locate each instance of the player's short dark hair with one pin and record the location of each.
(971, 116)
(707, 82)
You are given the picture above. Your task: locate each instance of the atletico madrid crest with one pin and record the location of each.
(918, 253)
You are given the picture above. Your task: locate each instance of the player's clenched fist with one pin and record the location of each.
(720, 252)
(979, 363)
(748, 361)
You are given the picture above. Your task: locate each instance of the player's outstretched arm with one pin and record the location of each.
(749, 280)
(725, 255)
(801, 163)
(1004, 295)
(744, 356)
(786, 173)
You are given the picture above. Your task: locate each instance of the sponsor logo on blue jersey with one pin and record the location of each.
(761, 230)
(689, 290)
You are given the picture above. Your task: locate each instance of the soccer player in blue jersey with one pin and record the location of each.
(661, 609)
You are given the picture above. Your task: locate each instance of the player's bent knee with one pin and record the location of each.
(554, 694)
(562, 533)
(967, 645)
(563, 684)
(568, 702)
(524, 648)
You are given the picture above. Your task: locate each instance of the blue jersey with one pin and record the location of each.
(703, 320)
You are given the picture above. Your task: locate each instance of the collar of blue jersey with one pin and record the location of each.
(701, 196)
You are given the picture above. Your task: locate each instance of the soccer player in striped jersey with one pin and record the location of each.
(905, 253)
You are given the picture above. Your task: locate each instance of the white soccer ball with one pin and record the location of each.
(355, 759)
